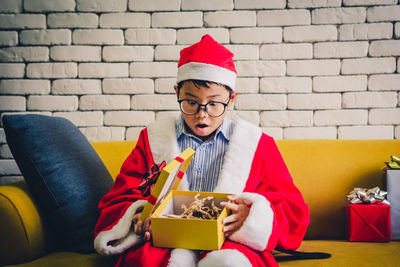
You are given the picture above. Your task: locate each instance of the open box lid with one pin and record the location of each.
(168, 180)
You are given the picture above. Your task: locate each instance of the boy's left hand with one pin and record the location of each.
(240, 210)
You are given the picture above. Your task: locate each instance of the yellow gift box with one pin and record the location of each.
(198, 234)
(165, 199)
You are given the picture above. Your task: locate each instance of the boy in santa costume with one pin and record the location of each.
(234, 157)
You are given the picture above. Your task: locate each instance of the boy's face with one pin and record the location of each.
(201, 124)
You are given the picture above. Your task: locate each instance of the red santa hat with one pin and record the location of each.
(207, 60)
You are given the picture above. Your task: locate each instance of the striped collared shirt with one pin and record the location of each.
(203, 171)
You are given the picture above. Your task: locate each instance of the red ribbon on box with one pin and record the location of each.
(150, 178)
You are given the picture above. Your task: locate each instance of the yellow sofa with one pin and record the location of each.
(324, 170)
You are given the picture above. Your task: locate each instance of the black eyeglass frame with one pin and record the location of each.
(203, 105)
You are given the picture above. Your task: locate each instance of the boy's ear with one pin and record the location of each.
(233, 97)
(176, 90)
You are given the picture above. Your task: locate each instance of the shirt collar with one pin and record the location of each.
(225, 129)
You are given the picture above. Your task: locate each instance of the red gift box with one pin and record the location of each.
(368, 222)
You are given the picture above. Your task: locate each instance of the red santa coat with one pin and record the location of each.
(253, 168)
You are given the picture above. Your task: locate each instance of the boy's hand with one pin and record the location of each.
(240, 210)
(142, 228)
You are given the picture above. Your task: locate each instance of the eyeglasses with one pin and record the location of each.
(213, 108)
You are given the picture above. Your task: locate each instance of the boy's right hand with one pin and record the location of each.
(142, 228)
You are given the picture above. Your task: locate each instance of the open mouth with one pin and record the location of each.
(202, 126)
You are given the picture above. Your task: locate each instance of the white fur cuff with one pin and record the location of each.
(121, 233)
(183, 258)
(257, 227)
(225, 258)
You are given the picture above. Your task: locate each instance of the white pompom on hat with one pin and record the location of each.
(207, 60)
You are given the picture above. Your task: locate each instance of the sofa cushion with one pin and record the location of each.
(64, 173)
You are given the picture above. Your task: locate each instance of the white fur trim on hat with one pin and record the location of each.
(257, 228)
(183, 258)
(121, 233)
(207, 72)
(225, 258)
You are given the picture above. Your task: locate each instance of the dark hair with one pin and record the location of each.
(202, 83)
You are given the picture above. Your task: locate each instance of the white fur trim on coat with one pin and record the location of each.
(122, 233)
(225, 258)
(237, 161)
(238, 158)
(183, 258)
(162, 140)
(257, 228)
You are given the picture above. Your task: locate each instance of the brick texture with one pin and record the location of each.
(24, 87)
(306, 69)
(365, 31)
(24, 54)
(72, 20)
(49, 6)
(338, 15)
(101, 5)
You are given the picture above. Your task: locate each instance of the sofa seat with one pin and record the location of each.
(324, 170)
(344, 253)
(349, 254)
(68, 259)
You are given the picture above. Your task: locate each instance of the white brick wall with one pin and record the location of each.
(8, 38)
(76, 53)
(49, 6)
(306, 68)
(72, 20)
(22, 21)
(104, 102)
(76, 87)
(150, 36)
(256, 35)
(101, 5)
(125, 20)
(98, 36)
(24, 53)
(154, 5)
(338, 15)
(340, 117)
(313, 67)
(52, 103)
(230, 19)
(191, 36)
(260, 102)
(11, 6)
(24, 87)
(284, 17)
(286, 51)
(177, 20)
(365, 31)
(285, 85)
(103, 70)
(45, 37)
(52, 70)
(313, 3)
(128, 53)
(383, 82)
(314, 33)
(340, 83)
(314, 101)
(340, 49)
(368, 65)
(260, 68)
